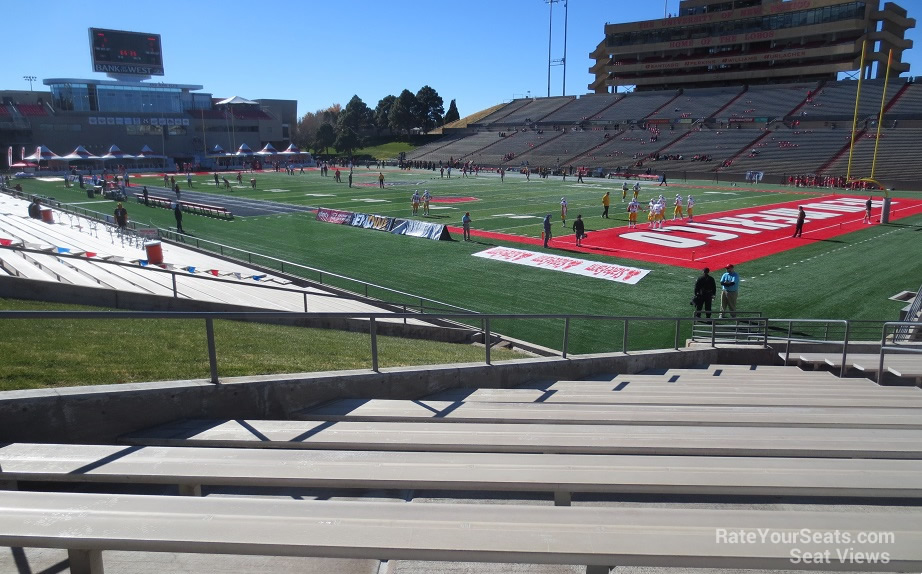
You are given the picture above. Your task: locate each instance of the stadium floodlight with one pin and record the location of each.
(559, 61)
(29, 79)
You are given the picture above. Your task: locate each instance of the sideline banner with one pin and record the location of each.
(334, 216)
(378, 222)
(415, 228)
(608, 271)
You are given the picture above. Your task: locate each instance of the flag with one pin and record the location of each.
(258, 277)
(213, 272)
(9, 156)
(143, 262)
(90, 254)
(238, 275)
(63, 250)
(190, 269)
(22, 154)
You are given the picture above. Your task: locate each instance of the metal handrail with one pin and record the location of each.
(790, 338)
(282, 263)
(209, 317)
(914, 308)
(893, 348)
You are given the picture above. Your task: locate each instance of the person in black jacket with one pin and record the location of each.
(705, 291)
(177, 213)
(580, 228)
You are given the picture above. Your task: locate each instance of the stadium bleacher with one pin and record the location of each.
(545, 473)
(73, 251)
(768, 101)
(586, 107)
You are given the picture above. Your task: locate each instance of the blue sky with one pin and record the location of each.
(478, 52)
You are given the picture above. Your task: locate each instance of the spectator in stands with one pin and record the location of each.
(705, 291)
(580, 229)
(730, 284)
(801, 217)
(606, 203)
(35, 208)
(547, 229)
(177, 213)
(466, 225)
(121, 216)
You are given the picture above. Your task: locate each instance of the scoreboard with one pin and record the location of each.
(121, 52)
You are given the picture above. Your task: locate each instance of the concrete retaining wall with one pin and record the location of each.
(101, 414)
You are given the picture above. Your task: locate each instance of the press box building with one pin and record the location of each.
(739, 42)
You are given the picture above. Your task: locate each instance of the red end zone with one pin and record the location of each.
(735, 236)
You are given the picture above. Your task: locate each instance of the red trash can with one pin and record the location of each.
(47, 215)
(154, 252)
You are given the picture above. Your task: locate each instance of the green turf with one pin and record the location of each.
(849, 277)
(67, 352)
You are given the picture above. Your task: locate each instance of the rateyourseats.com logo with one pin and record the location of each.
(808, 546)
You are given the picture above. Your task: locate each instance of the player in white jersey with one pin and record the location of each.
(636, 189)
(427, 197)
(658, 209)
(563, 210)
(690, 207)
(677, 211)
(632, 208)
(651, 212)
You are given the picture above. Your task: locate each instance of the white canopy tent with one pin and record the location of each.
(80, 153)
(42, 153)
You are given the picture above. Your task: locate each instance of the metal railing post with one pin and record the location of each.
(305, 301)
(175, 292)
(486, 339)
(373, 331)
(566, 335)
(212, 354)
(624, 338)
(678, 325)
(714, 333)
(787, 347)
(880, 364)
(844, 349)
(764, 332)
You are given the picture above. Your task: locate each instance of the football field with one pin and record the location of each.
(840, 268)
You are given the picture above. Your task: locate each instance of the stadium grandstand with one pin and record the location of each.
(180, 123)
(603, 424)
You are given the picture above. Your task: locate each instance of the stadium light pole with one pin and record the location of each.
(29, 79)
(550, 33)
